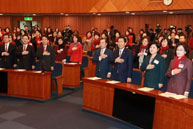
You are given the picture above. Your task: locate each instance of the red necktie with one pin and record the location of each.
(24, 48)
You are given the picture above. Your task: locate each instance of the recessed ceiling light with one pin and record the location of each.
(66, 14)
(1, 14)
(34, 14)
(61, 13)
(127, 12)
(165, 11)
(94, 13)
(171, 12)
(132, 13)
(99, 14)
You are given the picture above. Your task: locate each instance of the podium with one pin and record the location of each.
(71, 75)
(25, 84)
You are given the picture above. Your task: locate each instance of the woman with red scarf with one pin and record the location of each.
(143, 51)
(129, 39)
(60, 50)
(180, 71)
(75, 51)
(87, 41)
(166, 52)
(95, 42)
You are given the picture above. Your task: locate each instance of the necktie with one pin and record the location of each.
(120, 52)
(102, 51)
(24, 47)
(44, 48)
(6, 48)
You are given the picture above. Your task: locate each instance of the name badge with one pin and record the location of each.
(156, 62)
(181, 66)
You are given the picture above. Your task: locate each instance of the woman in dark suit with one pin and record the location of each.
(154, 67)
(166, 52)
(60, 50)
(180, 71)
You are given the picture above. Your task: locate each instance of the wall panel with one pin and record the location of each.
(85, 23)
(86, 6)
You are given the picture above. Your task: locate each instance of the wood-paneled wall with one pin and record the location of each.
(85, 23)
(85, 6)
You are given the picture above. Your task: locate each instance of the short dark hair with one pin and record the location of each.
(104, 39)
(6, 35)
(44, 36)
(121, 37)
(185, 46)
(146, 37)
(25, 35)
(156, 44)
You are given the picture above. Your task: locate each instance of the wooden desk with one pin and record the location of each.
(26, 84)
(165, 113)
(71, 75)
(91, 67)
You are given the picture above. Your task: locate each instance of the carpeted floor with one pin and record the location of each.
(62, 113)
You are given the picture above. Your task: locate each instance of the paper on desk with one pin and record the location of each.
(20, 70)
(173, 95)
(94, 78)
(146, 89)
(71, 63)
(37, 71)
(112, 82)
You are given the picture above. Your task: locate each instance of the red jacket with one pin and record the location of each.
(76, 55)
(191, 44)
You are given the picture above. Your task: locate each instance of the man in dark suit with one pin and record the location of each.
(26, 55)
(46, 55)
(103, 59)
(7, 53)
(123, 62)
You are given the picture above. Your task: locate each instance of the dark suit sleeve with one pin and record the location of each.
(39, 54)
(110, 59)
(33, 55)
(18, 52)
(130, 64)
(162, 70)
(144, 64)
(14, 54)
(96, 56)
(52, 56)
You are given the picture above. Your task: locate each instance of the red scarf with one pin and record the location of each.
(163, 49)
(88, 37)
(177, 61)
(37, 39)
(116, 39)
(96, 41)
(143, 47)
